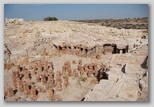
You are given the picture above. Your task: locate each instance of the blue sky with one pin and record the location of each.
(75, 11)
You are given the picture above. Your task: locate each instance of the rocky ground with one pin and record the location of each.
(61, 61)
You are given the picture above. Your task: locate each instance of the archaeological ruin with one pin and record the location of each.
(74, 61)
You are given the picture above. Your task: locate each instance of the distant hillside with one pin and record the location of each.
(127, 23)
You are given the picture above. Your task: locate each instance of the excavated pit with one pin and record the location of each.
(64, 65)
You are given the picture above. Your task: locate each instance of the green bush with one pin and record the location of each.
(50, 19)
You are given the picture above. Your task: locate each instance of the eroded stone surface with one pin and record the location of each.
(62, 61)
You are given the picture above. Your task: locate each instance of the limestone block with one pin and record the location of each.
(129, 92)
(115, 90)
(134, 68)
(116, 99)
(115, 73)
(95, 96)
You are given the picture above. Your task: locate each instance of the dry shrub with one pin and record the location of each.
(83, 78)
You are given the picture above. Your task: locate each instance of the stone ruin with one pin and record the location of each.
(74, 61)
(82, 48)
(14, 20)
(26, 79)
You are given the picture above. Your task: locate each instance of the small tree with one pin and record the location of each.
(50, 19)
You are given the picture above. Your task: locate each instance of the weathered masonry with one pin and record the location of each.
(83, 51)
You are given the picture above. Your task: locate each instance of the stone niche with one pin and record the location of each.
(110, 48)
(122, 49)
(84, 51)
(115, 49)
(75, 50)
